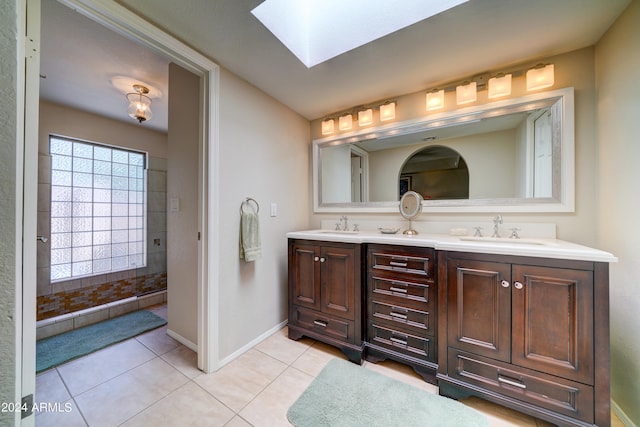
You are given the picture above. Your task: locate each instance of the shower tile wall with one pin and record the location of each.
(59, 298)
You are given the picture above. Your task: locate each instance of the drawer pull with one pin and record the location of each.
(320, 323)
(398, 263)
(512, 382)
(401, 290)
(316, 259)
(518, 285)
(398, 315)
(398, 341)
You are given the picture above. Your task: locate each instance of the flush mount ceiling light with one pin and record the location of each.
(318, 30)
(139, 104)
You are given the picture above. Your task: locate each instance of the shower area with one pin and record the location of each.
(67, 303)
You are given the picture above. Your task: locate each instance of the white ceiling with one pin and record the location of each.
(80, 57)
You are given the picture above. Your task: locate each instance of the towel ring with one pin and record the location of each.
(248, 201)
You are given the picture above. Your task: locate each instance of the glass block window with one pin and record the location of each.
(98, 209)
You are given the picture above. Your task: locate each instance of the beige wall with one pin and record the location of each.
(65, 121)
(573, 69)
(617, 71)
(9, 223)
(264, 154)
(182, 184)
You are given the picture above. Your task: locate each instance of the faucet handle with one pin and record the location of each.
(478, 232)
(355, 227)
(337, 226)
(514, 233)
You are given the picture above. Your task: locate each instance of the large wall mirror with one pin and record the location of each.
(515, 155)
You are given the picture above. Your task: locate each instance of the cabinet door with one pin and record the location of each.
(553, 321)
(479, 307)
(337, 272)
(305, 283)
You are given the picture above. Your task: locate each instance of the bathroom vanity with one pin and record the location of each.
(521, 323)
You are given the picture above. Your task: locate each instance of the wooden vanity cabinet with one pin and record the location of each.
(401, 307)
(325, 294)
(528, 333)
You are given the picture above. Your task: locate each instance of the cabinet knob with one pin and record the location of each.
(316, 259)
(504, 284)
(323, 259)
(518, 285)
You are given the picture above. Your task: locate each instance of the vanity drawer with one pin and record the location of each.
(417, 262)
(547, 391)
(399, 341)
(322, 324)
(422, 322)
(402, 292)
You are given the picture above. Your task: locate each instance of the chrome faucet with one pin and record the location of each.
(496, 223)
(346, 224)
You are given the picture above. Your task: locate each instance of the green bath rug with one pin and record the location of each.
(347, 395)
(58, 349)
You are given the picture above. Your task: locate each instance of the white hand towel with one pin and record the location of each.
(250, 249)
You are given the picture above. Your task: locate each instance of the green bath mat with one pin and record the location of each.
(59, 349)
(348, 395)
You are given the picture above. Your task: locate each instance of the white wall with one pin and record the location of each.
(9, 223)
(264, 154)
(618, 70)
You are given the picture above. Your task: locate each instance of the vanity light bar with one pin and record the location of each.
(539, 77)
(364, 118)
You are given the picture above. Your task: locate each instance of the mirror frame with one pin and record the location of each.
(565, 177)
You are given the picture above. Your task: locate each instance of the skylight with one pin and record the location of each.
(318, 30)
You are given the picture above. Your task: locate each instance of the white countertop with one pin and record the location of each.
(533, 247)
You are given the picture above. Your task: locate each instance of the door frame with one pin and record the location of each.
(121, 20)
(125, 22)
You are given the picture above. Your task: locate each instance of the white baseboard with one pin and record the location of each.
(182, 340)
(621, 415)
(252, 344)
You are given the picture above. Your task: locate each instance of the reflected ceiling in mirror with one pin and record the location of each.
(519, 153)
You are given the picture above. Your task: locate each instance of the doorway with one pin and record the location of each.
(123, 21)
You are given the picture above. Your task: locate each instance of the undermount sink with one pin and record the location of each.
(502, 240)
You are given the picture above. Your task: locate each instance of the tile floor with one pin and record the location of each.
(152, 380)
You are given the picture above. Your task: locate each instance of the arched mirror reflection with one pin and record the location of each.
(436, 173)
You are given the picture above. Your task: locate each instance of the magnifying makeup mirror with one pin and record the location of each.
(410, 207)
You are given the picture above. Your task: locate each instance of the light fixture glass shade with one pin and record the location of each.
(328, 127)
(466, 93)
(435, 100)
(345, 122)
(365, 117)
(540, 77)
(499, 86)
(388, 111)
(139, 104)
